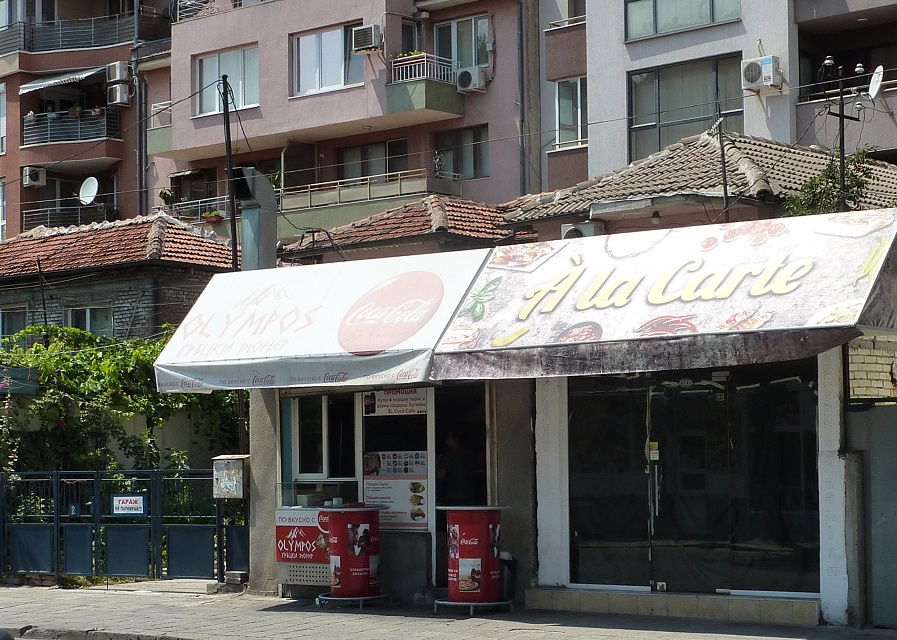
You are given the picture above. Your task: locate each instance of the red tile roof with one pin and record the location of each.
(156, 238)
(461, 219)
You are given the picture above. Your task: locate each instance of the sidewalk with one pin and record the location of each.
(181, 610)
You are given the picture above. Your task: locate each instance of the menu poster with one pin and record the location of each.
(395, 402)
(398, 483)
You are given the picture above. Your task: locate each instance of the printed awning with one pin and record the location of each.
(348, 324)
(59, 79)
(666, 299)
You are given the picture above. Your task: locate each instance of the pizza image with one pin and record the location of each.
(854, 224)
(840, 313)
(521, 257)
(461, 337)
(468, 585)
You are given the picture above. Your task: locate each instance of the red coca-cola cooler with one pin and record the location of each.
(474, 565)
(354, 550)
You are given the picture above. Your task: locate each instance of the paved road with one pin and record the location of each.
(182, 610)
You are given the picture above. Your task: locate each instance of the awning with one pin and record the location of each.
(185, 172)
(348, 324)
(56, 80)
(665, 299)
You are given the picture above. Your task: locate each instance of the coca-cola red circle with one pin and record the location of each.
(390, 313)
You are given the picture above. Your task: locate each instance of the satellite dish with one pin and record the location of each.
(875, 82)
(88, 191)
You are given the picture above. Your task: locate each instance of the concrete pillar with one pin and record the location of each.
(264, 439)
(840, 501)
(552, 519)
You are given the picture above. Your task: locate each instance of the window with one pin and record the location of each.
(463, 152)
(3, 118)
(464, 41)
(671, 103)
(324, 61)
(572, 113)
(2, 210)
(242, 69)
(375, 159)
(409, 36)
(12, 321)
(96, 320)
(576, 8)
(650, 17)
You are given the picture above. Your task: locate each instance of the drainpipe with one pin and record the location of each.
(521, 95)
(140, 100)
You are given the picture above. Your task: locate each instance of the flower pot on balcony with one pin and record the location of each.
(212, 217)
(75, 112)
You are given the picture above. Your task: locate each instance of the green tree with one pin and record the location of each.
(821, 194)
(88, 386)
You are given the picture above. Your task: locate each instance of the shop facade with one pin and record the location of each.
(661, 411)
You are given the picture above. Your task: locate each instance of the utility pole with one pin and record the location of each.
(829, 64)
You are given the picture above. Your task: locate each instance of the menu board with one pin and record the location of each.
(397, 480)
(395, 402)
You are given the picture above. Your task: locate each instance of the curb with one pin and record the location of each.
(43, 633)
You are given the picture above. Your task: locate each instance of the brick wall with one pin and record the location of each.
(142, 298)
(873, 367)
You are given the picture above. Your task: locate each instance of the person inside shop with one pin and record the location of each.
(456, 470)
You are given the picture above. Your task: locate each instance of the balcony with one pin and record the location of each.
(67, 216)
(82, 34)
(565, 49)
(158, 133)
(424, 85)
(197, 210)
(52, 128)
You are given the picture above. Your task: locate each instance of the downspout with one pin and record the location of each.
(521, 95)
(140, 98)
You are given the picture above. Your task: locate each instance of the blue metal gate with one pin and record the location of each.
(152, 524)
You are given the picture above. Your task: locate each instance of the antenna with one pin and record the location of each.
(88, 191)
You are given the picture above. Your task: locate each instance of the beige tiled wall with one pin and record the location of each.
(707, 607)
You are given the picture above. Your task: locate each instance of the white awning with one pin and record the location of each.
(348, 324)
(63, 78)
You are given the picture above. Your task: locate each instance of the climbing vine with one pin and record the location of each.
(88, 387)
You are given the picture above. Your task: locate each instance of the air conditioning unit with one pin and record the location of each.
(118, 94)
(470, 79)
(117, 72)
(34, 176)
(582, 229)
(366, 38)
(760, 73)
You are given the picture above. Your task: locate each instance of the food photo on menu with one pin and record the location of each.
(469, 574)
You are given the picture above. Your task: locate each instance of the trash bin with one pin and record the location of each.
(508, 576)
(474, 569)
(354, 550)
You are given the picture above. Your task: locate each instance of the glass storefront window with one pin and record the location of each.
(701, 480)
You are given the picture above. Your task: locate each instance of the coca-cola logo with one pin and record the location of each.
(390, 313)
(263, 380)
(470, 541)
(324, 521)
(339, 376)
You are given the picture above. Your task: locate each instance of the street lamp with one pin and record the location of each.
(828, 65)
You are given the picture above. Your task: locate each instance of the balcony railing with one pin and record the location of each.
(160, 115)
(82, 34)
(189, 9)
(67, 216)
(50, 128)
(424, 66)
(196, 210)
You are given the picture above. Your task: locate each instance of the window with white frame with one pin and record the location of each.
(96, 320)
(463, 152)
(374, 159)
(324, 61)
(2, 209)
(242, 69)
(646, 18)
(318, 437)
(3, 118)
(674, 102)
(572, 113)
(464, 41)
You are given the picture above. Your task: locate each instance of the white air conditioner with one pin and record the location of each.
(34, 176)
(760, 73)
(469, 79)
(118, 94)
(366, 38)
(582, 229)
(117, 72)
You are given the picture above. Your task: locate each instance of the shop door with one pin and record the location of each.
(689, 483)
(649, 491)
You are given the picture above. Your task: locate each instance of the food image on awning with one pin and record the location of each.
(349, 324)
(701, 296)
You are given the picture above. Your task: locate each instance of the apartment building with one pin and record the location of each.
(350, 107)
(60, 120)
(651, 72)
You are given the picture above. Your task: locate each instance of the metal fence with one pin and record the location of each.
(152, 524)
(52, 128)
